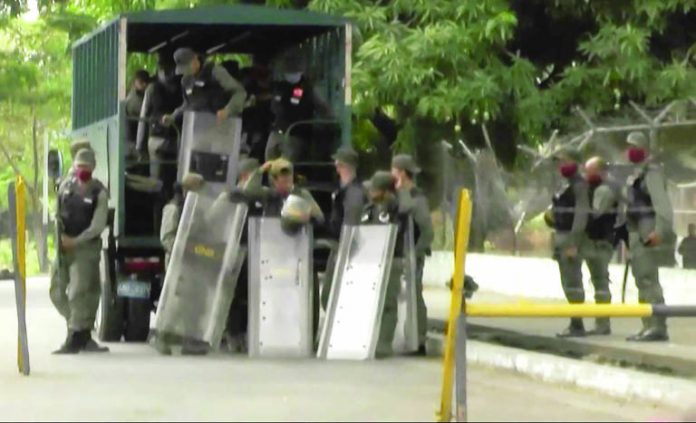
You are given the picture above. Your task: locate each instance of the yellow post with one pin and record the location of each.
(461, 239)
(20, 209)
(559, 310)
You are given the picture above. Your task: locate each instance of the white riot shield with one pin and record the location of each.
(280, 290)
(406, 335)
(202, 275)
(354, 312)
(210, 149)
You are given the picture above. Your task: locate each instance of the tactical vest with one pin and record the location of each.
(77, 207)
(388, 214)
(293, 103)
(639, 205)
(601, 227)
(337, 211)
(163, 101)
(203, 93)
(563, 207)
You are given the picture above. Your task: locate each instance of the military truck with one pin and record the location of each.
(132, 257)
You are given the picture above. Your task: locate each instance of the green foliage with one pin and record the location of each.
(451, 61)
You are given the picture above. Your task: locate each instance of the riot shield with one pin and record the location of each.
(210, 149)
(280, 290)
(406, 335)
(202, 275)
(354, 313)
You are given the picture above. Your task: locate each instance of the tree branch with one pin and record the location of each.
(6, 153)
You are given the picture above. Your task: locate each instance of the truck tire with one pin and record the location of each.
(137, 320)
(111, 308)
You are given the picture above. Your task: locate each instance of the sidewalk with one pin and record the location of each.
(675, 358)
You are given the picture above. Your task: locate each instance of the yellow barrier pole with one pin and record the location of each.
(20, 278)
(559, 310)
(456, 318)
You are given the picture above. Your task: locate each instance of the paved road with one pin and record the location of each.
(134, 383)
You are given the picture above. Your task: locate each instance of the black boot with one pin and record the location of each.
(90, 345)
(575, 330)
(653, 334)
(71, 345)
(602, 327)
(194, 347)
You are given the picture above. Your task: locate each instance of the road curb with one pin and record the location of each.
(624, 384)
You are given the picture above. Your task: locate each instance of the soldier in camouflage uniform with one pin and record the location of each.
(75, 286)
(649, 218)
(404, 170)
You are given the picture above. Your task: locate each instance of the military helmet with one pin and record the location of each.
(638, 139)
(183, 58)
(79, 144)
(347, 156)
(279, 166)
(405, 162)
(294, 61)
(382, 181)
(85, 157)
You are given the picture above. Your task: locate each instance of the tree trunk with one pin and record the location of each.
(38, 227)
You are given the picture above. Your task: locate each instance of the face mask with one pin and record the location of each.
(636, 154)
(83, 175)
(293, 78)
(594, 179)
(568, 169)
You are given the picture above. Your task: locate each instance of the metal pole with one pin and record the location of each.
(460, 368)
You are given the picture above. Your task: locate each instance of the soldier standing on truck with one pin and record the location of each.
(295, 100)
(206, 87)
(649, 219)
(76, 290)
(161, 98)
(346, 209)
(384, 208)
(404, 170)
(597, 247)
(570, 209)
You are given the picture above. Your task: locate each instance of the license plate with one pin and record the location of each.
(133, 289)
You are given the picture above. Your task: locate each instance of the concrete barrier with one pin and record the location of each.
(530, 277)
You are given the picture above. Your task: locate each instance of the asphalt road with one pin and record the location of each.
(133, 383)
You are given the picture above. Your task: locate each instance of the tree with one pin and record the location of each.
(461, 64)
(34, 100)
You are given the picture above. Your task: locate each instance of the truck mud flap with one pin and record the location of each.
(280, 290)
(354, 312)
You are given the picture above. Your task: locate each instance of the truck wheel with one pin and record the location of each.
(111, 308)
(137, 320)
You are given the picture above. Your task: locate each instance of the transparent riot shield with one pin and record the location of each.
(202, 275)
(354, 312)
(406, 335)
(210, 149)
(280, 290)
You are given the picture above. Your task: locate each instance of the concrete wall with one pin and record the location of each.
(538, 278)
